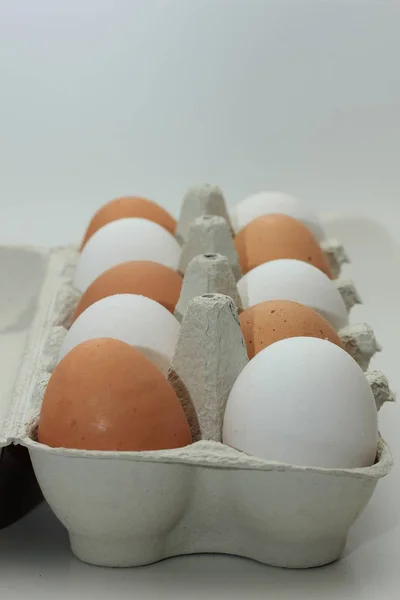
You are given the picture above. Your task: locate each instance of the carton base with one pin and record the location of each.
(129, 552)
(127, 509)
(119, 552)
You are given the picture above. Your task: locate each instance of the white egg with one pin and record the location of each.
(303, 401)
(121, 241)
(265, 203)
(136, 320)
(298, 281)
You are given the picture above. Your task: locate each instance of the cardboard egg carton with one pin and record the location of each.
(135, 508)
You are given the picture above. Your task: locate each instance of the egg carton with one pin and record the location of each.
(39, 305)
(135, 508)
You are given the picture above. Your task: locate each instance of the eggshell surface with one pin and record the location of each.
(106, 395)
(269, 322)
(265, 203)
(136, 320)
(297, 281)
(303, 401)
(142, 277)
(126, 207)
(272, 237)
(122, 241)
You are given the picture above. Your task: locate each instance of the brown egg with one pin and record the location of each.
(274, 236)
(106, 395)
(142, 277)
(129, 207)
(274, 320)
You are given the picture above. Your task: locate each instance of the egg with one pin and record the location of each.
(303, 401)
(275, 236)
(106, 395)
(142, 277)
(136, 320)
(122, 241)
(297, 281)
(265, 203)
(269, 322)
(129, 206)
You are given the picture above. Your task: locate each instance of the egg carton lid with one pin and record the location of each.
(32, 277)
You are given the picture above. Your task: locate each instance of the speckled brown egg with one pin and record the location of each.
(269, 322)
(142, 277)
(106, 395)
(129, 207)
(274, 236)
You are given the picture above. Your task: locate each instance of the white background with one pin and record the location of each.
(105, 97)
(102, 98)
